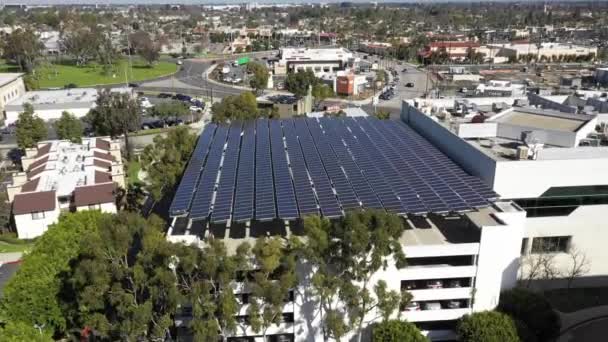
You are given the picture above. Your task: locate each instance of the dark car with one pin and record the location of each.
(409, 84)
(198, 103)
(182, 97)
(404, 70)
(174, 122)
(153, 124)
(133, 85)
(164, 95)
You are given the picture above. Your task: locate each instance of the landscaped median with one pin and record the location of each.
(61, 74)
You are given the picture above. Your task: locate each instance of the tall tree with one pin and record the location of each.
(259, 78)
(30, 128)
(122, 283)
(344, 255)
(32, 295)
(82, 44)
(236, 107)
(23, 47)
(69, 127)
(273, 279)
(165, 160)
(115, 114)
(150, 52)
(206, 278)
(321, 91)
(487, 326)
(298, 83)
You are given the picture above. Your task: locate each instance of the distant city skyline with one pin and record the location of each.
(230, 2)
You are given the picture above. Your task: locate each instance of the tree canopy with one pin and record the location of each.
(487, 326)
(165, 160)
(299, 82)
(236, 107)
(259, 77)
(170, 109)
(533, 312)
(31, 295)
(23, 47)
(115, 114)
(30, 128)
(396, 331)
(321, 91)
(69, 127)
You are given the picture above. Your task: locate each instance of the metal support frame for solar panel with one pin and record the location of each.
(360, 185)
(244, 197)
(185, 191)
(264, 185)
(222, 206)
(345, 192)
(387, 158)
(201, 206)
(434, 194)
(327, 199)
(305, 196)
(450, 175)
(287, 208)
(372, 167)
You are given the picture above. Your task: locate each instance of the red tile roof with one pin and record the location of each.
(45, 149)
(105, 156)
(30, 186)
(94, 194)
(38, 162)
(102, 144)
(102, 177)
(34, 173)
(103, 164)
(32, 202)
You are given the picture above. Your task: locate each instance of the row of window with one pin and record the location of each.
(546, 244)
(40, 215)
(435, 284)
(562, 201)
(284, 318)
(11, 95)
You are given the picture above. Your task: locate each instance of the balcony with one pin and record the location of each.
(436, 272)
(441, 294)
(435, 315)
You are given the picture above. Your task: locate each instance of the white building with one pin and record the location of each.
(62, 176)
(548, 162)
(546, 50)
(49, 104)
(11, 87)
(320, 61)
(500, 88)
(458, 261)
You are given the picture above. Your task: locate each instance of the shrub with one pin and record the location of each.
(487, 326)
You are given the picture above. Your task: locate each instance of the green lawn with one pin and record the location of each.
(132, 172)
(6, 247)
(52, 75)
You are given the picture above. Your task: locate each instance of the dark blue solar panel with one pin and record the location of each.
(286, 199)
(345, 192)
(243, 202)
(201, 206)
(307, 203)
(185, 191)
(264, 187)
(373, 167)
(327, 199)
(364, 192)
(222, 206)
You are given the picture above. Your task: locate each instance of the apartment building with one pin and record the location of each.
(61, 176)
(550, 161)
(462, 244)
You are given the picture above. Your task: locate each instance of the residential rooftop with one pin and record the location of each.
(8, 77)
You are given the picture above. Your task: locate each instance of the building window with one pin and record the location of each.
(94, 206)
(39, 215)
(524, 246)
(551, 244)
(562, 201)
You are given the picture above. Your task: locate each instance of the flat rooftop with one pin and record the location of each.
(285, 169)
(305, 54)
(8, 77)
(543, 120)
(60, 99)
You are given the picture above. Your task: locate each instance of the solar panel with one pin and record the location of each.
(185, 190)
(372, 166)
(327, 199)
(364, 192)
(222, 207)
(307, 202)
(345, 192)
(264, 186)
(201, 206)
(286, 199)
(243, 201)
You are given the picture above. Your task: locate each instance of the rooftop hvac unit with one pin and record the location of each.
(522, 152)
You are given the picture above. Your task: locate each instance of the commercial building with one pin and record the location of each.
(550, 162)
(548, 51)
(320, 61)
(11, 87)
(461, 243)
(50, 104)
(454, 49)
(500, 88)
(61, 176)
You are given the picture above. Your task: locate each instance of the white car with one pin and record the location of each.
(412, 306)
(145, 103)
(196, 109)
(179, 62)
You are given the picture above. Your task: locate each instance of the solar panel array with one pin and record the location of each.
(267, 169)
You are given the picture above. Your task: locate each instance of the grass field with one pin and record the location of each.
(52, 75)
(11, 248)
(132, 172)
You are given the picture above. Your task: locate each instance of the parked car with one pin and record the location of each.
(432, 306)
(144, 102)
(404, 70)
(196, 109)
(434, 284)
(409, 84)
(179, 62)
(133, 85)
(164, 95)
(182, 97)
(454, 283)
(198, 103)
(412, 306)
(452, 304)
(174, 122)
(151, 124)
